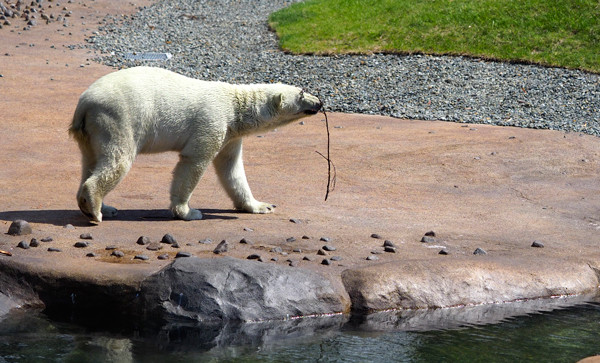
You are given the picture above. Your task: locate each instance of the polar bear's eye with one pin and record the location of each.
(301, 93)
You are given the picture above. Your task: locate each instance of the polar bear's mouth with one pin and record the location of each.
(311, 112)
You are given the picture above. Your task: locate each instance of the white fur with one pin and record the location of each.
(150, 110)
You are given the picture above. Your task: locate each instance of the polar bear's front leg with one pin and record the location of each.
(185, 178)
(230, 169)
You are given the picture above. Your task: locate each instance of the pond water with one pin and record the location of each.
(558, 330)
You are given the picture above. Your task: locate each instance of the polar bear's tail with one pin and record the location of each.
(77, 129)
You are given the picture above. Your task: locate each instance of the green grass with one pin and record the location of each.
(564, 33)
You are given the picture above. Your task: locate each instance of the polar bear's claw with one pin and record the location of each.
(260, 208)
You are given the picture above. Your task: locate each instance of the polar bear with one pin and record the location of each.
(151, 110)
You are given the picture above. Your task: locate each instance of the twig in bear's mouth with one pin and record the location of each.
(330, 180)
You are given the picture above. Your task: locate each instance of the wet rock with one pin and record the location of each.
(537, 244)
(19, 228)
(326, 262)
(164, 256)
(181, 254)
(47, 239)
(328, 248)
(221, 247)
(86, 236)
(479, 251)
(375, 235)
(389, 249)
(23, 244)
(141, 257)
(205, 241)
(290, 239)
(54, 249)
(388, 243)
(443, 251)
(246, 241)
(372, 258)
(154, 246)
(276, 249)
(253, 256)
(81, 244)
(34, 243)
(322, 252)
(168, 239)
(117, 253)
(143, 240)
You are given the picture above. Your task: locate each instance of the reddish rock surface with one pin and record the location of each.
(476, 186)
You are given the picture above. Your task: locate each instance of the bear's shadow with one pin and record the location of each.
(75, 218)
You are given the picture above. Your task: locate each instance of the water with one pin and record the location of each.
(479, 334)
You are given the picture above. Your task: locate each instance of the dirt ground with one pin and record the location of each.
(477, 186)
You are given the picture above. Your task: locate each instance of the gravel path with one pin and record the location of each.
(228, 40)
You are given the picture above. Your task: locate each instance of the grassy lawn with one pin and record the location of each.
(563, 33)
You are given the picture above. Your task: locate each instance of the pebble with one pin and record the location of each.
(110, 247)
(372, 258)
(297, 250)
(388, 243)
(428, 239)
(154, 246)
(221, 247)
(293, 263)
(276, 249)
(246, 229)
(308, 258)
(183, 254)
(375, 235)
(389, 249)
(537, 244)
(328, 248)
(274, 259)
(90, 254)
(117, 253)
(47, 239)
(376, 252)
(81, 244)
(143, 240)
(164, 256)
(290, 239)
(34, 243)
(85, 236)
(246, 241)
(175, 245)
(68, 226)
(205, 241)
(479, 251)
(325, 239)
(430, 234)
(19, 228)
(141, 257)
(295, 221)
(23, 244)
(54, 249)
(444, 251)
(325, 262)
(169, 239)
(322, 252)
(305, 237)
(253, 256)
(336, 258)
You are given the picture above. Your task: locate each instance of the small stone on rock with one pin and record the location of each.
(24, 245)
(163, 257)
(428, 239)
(141, 257)
(329, 248)
(291, 239)
(388, 243)
(69, 226)
(276, 249)
(253, 256)
(479, 251)
(91, 254)
(143, 240)
(154, 246)
(183, 254)
(81, 244)
(34, 243)
(322, 252)
(325, 262)
(205, 241)
(111, 247)
(307, 258)
(325, 239)
(389, 249)
(117, 253)
(443, 251)
(336, 258)
(221, 247)
(430, 234)
(85, 236)
(246, 241)
(375, 235)
(19, 228)
(298, 250)
(295, 221)
(537, 244)
(47, 239)
(305, 237)
(372, 258)
(54, 249)
(246, 229)
(169, 239)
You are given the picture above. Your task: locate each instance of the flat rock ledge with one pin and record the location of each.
(226, 289)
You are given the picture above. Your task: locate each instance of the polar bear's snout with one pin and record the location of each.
(312, 103)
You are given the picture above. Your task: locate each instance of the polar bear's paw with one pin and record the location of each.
(259, 208)
(108, 211)
(186, 213)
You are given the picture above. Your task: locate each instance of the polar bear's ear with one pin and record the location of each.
(277, 101)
